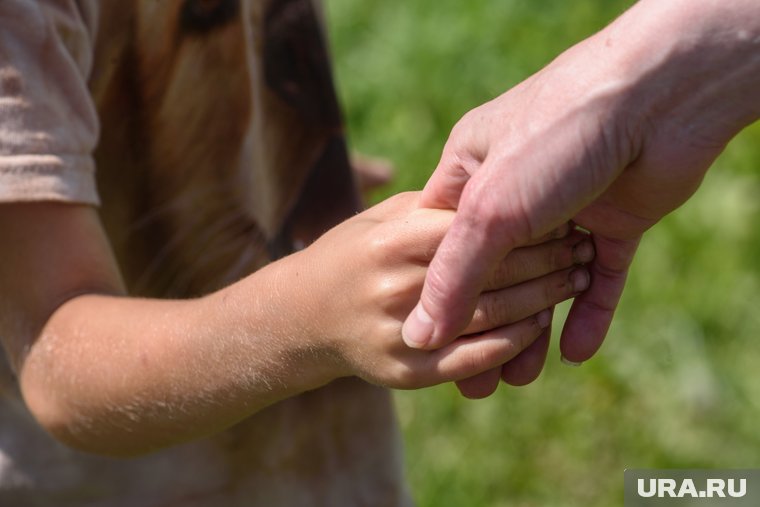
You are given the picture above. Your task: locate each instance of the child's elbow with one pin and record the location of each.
(74, 427)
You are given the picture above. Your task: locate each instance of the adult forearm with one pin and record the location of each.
(120, 375)
(613, 134)
(692, 64)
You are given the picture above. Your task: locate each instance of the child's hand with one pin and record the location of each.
(89, 357)
(360, 280)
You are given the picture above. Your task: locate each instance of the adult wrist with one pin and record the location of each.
(692, 63)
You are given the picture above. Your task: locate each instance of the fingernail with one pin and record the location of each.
(568, 362)
(544, 319)
(580, 279)
(583, 252)
(418, 328)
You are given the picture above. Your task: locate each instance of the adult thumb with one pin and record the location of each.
(454, 281)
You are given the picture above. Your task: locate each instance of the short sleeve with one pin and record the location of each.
(48, 122)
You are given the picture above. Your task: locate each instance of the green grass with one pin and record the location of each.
(677, 384)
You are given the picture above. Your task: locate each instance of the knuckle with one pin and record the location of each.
(407, 377)
(399, 199)
(560, 255)
(406, 198)
(479, 319)
(494, 311)
(478, 207)
(554, 255)
(550, 288)
(506, 271)
(555, 288)
(380, 247)
(480, 359)
(492, 354)
(403, 201)
(472, 362)
(508, 349)
(463, 126)
(496, 220)
(534, 329)
(387, 289)
(523, 337)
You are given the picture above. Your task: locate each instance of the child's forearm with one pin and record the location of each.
(118, 375)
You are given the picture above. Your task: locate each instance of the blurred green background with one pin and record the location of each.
(677, 383)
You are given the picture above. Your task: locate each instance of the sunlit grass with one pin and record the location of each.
(677, 383)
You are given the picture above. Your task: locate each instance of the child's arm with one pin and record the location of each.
(117, 375)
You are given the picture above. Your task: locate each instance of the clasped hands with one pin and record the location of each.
(381, 257)
(612, 135)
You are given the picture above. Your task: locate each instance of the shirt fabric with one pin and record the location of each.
(51, 51)
(48, 123)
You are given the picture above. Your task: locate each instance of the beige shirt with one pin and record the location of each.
(229, 115)
(48, 124)
(48, 132)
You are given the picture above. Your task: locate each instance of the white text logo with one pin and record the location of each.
(715, 488)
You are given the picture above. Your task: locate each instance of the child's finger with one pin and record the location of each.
(469, 356)
(430, 225)
(527, 263)
(527, 366)
(481, 385)
(498, 308)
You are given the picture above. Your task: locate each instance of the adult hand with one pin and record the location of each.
(614, 134)
(356, 284)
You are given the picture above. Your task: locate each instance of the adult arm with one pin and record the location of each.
(614, 134)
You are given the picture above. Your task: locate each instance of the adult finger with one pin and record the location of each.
(462, 156)
(518, 194)
(453, 283)
(523, 264)
(591, 314)
(498, 308)
(474, 244)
